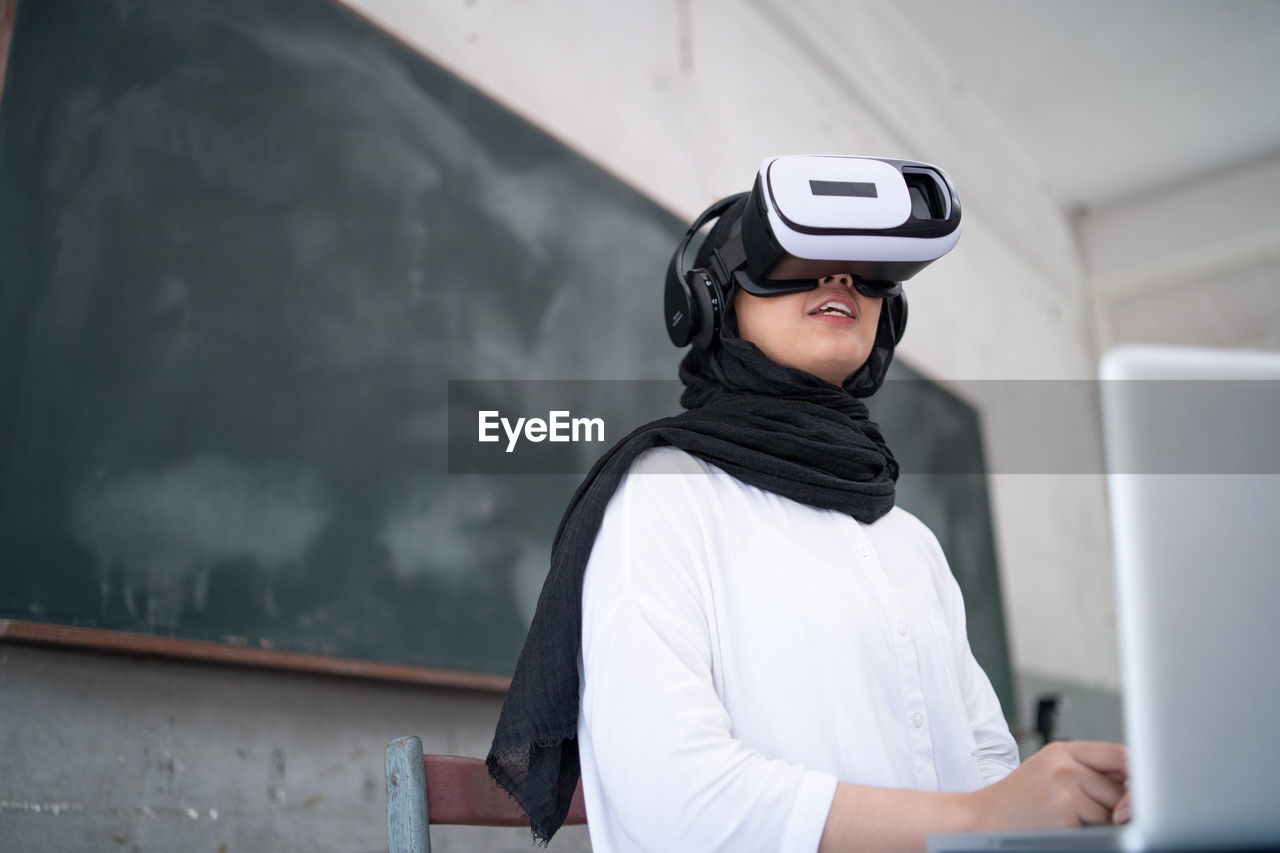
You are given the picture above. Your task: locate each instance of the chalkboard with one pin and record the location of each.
(244, 248)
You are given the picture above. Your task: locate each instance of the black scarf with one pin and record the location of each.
(772, 427)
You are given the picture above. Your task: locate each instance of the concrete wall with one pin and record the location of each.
(105, 752)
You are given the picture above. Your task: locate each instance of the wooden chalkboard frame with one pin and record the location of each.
(176, 648)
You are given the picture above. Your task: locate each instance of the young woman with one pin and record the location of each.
(743, 644)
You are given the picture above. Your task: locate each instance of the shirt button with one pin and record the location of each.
(903, 630)
(917, 720)
(864, 551)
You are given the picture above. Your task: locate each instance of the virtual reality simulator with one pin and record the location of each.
(807, 217)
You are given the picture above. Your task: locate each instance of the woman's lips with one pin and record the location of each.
(835, 309)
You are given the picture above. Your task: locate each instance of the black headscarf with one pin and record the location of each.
(772, 427)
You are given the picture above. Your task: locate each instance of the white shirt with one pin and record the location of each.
(741, 652)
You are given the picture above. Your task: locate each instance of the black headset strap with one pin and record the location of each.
(732, 255)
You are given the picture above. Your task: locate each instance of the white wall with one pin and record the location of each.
(1196, 263)
(683, 99)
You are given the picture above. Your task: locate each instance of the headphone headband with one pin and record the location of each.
(715, 211)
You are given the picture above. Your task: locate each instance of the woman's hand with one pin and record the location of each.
(1124, 810)
(1067, 783)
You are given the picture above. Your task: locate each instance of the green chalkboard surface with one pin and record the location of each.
(244, 247)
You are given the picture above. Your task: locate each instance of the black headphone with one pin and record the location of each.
(695, 302)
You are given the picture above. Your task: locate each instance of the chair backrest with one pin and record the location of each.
(446, 789)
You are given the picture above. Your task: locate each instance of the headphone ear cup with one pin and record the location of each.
(708, 307)
(679, 311)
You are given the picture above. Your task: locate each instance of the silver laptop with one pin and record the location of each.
(1193, 461)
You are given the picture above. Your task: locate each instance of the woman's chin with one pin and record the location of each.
(836, 366)
(834, 374)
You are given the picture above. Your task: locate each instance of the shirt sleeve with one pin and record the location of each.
(672, 772)
(997, 751)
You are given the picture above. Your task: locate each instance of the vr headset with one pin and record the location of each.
(807, 217)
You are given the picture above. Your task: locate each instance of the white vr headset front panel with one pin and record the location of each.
(832, 192)
(849, 193)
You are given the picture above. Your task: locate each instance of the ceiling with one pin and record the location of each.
(1117, 99)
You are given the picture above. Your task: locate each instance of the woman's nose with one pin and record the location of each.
(843, 279)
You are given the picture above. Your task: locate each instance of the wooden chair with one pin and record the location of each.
(446, 789)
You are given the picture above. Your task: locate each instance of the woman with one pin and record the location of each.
(772, 655)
